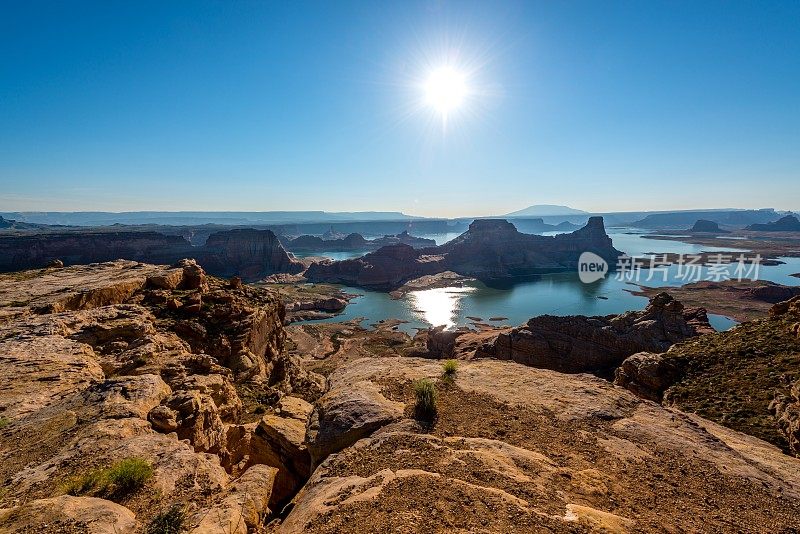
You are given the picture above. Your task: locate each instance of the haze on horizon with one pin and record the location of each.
(248, 106)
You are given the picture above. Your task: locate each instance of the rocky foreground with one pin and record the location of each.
(144, 398)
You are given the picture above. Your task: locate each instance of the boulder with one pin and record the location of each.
(647, 375)
(68, 514)
(194, 416)
(346, 413)
(194, 277)
(244, 506)
(129, 396)
(280, 442)
(295, 408)
(169, 279)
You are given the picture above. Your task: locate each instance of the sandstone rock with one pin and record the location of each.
(132, 396)
(330, 304)
(68, 514)
(221, 390)
(117, 375)
(705, 226)
(78, 288)
(280, 442)
(194, 416)
(461, 343)
(235, 283)
(523, 449)
(244, 506)
(577, 344)
(385, 269)
(295, 408)
(194, 277)
(33, 251)
(789, 307)
(250, 254)
(347, 412)
(38, 372)
(647, 375)
(170, 279)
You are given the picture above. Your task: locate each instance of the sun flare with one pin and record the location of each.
(445, 90)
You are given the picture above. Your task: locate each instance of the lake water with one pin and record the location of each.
(556, 294)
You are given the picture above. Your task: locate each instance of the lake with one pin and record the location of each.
(555, 294)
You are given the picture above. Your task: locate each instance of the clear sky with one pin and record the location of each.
(242, 105)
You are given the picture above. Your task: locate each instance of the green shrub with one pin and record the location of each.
(425, 393)
(450, 368)
(85, 484)
(168, 522)
(4, 422)
(119, 480)
(129, 475)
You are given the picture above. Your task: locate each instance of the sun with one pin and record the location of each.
(445, 90)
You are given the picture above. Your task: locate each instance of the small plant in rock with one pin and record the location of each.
(450, 368)
(4, 422)
(128, 475)
(168, 522)
(115, 482)
(425, 406)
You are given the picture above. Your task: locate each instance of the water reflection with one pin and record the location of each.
(440, 306)
(556, 294)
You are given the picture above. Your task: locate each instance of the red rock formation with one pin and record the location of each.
(247, 253)
(576, 344)
(491, 250)
(250, 254)
(385, 269)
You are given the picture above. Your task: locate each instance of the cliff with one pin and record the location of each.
(385, 269)
(490, 250)
(130, 387)
(353, 242)
(790, 223)
(579, 344)
(745, 378)
(250, 254)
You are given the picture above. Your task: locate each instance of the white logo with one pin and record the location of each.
(591, 267)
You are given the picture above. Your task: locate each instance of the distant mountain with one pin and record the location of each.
(790, 223)
(101, 218)
(546, 210)
(683, 219)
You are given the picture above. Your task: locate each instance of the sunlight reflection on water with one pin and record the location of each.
(439, 306)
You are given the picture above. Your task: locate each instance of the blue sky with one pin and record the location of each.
(293, 106)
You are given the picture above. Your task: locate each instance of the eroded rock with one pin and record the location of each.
(576, 344)
(69, 514)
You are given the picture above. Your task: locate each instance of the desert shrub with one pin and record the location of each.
(4, 422)
(450, 368)
(129, 475)
(168, 522)
(425, 393)
(85, 484)
(119, 480)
